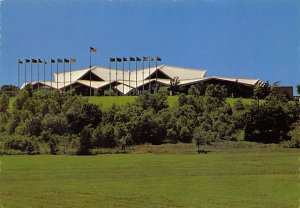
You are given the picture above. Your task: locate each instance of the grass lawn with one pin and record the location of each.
(108, 101)
(259, 177)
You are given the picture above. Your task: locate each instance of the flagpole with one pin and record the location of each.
(31, 72)
(116, 71)
(64, 75)
(136, 76)
(44, 72)
(57, 74)
(70, 73)
(51, 73)
(123, 74)
(19, 74)
(143, 75)
(90, 72)
(38, 62)
(156, 75)
(25, 74)
(109, 78)
(149, 76)
(129, 72)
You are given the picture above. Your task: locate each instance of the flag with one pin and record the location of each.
(158, 59)
(112, 59)
(138, 59)
(145, 58)
(27, 60)
(93, 49)
(151, 59)
(20, 61)
(131, 59)
(59, 61)
(34, 61)
(66, 60)
(124, 59)
(40, 61)
(45, 61)
(119, 59)
(52, 61)
(73, 60)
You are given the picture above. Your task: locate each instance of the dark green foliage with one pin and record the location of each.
(67, 123)
(294, 142)
(103, 136)
(271, 121)
(4, 102)
(21, 99)
(55, 124)
(261, 92)
(157, 101)
(202, 135)
(85, 141)
(238, 105)
(27, 145)
(145, 128)
(266, 123)
(3, 120)
(81, 113)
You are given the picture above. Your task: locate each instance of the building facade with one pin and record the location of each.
(97, 81)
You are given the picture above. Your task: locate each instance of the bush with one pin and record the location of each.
(294, 142)
(239, 105)
(28, 145)
(103, 136)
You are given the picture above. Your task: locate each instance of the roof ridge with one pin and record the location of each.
(235, 77)
(179, 67)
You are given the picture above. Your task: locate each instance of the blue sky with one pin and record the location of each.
(252, 39)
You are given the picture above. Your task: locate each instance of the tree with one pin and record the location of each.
(81, 114)
(267, 123)
(261, 91)
(202, 136)
(85, 141)
(239, 105)
(157, 101)
(4, 103)
(174, 85)
(103, 136)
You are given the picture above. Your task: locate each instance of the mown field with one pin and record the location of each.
(107, 101)
(225, 177)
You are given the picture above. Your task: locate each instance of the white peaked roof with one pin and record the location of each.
(129, 80)
(230, 79)
(74, 75)
(140, 74)
(94, 84)
(182, 73)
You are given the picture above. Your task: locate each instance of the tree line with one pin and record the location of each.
(64, 123)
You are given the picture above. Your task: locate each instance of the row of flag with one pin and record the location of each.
(134, 59)
(35, 61)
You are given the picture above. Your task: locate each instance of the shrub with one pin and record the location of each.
(25, 144)
(239, 105)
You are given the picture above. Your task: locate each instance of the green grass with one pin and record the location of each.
(108, 101)
(251, 177)
(11, 102)
(246, 101)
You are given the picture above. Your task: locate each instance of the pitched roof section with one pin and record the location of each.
(182, 73)
(229, 79)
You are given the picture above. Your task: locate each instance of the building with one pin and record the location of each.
(98, 80)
